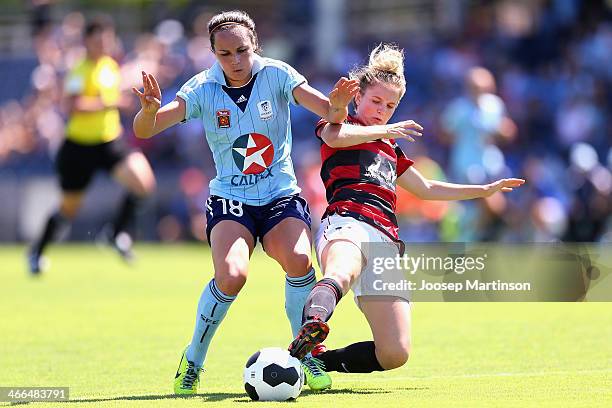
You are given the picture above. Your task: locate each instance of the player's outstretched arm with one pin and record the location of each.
(413, 181)
(346, 135)
(333, 109)
(151, 119)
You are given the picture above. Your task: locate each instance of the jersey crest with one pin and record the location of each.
(223, 119)
(265, 110)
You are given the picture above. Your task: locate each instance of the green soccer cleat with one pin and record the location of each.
(316, 376)
(187, 378)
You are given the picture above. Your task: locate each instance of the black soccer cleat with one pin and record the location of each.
(312, 333)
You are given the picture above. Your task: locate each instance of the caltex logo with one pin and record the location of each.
(253, 153)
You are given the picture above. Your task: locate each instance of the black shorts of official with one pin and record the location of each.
(259, 220)
(76, 164)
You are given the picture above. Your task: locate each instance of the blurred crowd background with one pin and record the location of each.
(538, 107)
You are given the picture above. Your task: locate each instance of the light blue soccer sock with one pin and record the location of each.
(212, 308)
(296, 292)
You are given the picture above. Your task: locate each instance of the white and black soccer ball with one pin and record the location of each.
(272, 374)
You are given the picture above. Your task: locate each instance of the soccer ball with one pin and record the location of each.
(272, 374)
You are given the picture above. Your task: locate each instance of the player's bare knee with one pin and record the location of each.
(297, 264)
(390, 357)
(230, 285)
(341, 277)
(232, 279)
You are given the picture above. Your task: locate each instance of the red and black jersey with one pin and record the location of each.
(360, 180)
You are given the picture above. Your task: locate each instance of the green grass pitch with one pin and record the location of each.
(114, 335)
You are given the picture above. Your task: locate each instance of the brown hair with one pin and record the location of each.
(98, 24)
(386, 64)
(228, 19)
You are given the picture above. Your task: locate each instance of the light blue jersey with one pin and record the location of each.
(251, 149)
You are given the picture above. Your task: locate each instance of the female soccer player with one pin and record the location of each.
(93, 143)
(243, 102)
(361, 166)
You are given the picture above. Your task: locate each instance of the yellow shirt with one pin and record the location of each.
(94, 78)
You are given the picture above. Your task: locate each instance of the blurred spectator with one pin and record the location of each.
(474, 124)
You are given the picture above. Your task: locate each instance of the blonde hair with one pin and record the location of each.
(386, 64)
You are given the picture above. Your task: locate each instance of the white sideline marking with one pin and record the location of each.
(436, 377)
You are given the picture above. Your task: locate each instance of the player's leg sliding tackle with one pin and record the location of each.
(390, 322)
(319, 307)
(355, 358)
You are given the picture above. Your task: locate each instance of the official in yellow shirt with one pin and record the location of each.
(93, 142)
(96, 81)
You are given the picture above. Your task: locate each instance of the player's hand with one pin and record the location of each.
(403, 130)
(150, 98)
(504, 185)
(344, 91)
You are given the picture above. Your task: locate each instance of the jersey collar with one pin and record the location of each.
(216, 72)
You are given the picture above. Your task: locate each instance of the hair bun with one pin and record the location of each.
(387, 58)
(386, 64)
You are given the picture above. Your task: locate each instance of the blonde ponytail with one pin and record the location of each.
(386, 64)
(387, 58)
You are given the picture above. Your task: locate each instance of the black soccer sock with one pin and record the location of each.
(126, 213)
(54, 222)
(356, 358)
(322, 300)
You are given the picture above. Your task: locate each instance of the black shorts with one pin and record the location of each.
(259, 220)
(76, 164)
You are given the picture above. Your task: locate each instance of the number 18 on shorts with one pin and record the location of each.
(259, 220)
